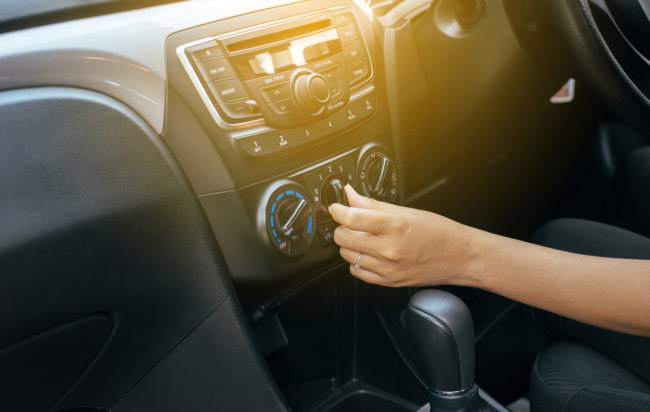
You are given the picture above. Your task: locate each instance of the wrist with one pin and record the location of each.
(478, 259)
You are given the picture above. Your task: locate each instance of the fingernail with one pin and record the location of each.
(330, 208)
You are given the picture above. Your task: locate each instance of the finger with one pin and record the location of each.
(364, 220)
(366, 275)
(368, 262)
(360, 241)
(357, 200)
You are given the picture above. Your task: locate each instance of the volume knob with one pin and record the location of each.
(310, 91)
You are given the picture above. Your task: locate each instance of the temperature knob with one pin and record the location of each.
(289, 219)
(378, 175)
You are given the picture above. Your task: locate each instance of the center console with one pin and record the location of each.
(292, 98)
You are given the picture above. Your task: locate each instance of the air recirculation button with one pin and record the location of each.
(289, 219)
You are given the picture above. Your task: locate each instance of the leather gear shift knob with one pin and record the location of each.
(442, 331)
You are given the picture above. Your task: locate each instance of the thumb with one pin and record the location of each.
(362, 202)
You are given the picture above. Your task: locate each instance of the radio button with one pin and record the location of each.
(258, 145)
(332, 75)
(227, 90)
(275, 93)
(342, 18)
(216, 69)
(353, 52)
(206, 51)
(283, 107)
(281, 141)
(330, 125)
(306, 133)
(336, 89)
(242, 109)
(347, 33)
(367, 104)
(351, 114)
(358, 71)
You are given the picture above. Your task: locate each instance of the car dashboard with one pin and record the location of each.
(169, 170)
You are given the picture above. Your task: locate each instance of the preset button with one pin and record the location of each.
(254, 145)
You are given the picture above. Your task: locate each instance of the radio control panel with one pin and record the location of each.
(284, 83)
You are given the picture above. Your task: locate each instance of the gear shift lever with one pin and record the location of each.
(442, 331)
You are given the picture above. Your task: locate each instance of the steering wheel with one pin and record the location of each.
(610, 40)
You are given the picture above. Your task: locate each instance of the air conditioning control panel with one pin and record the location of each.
(293, 212)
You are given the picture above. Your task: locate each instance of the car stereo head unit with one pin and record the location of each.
(294, 75)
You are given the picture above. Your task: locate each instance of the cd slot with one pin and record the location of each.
(266, 36)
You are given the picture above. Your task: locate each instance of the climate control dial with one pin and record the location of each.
(378, 174)
(289, 219)
(334, 192)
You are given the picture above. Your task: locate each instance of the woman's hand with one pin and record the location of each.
(408, 247)
(401, 246)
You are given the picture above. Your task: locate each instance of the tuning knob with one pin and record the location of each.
(310, 91)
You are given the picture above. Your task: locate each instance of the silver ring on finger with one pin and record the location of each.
(356, 265)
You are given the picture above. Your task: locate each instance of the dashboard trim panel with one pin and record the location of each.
(121, 55)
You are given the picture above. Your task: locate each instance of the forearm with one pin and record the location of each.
(610, 293)
(395, 246)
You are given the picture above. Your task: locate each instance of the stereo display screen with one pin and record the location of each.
(294, 53)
